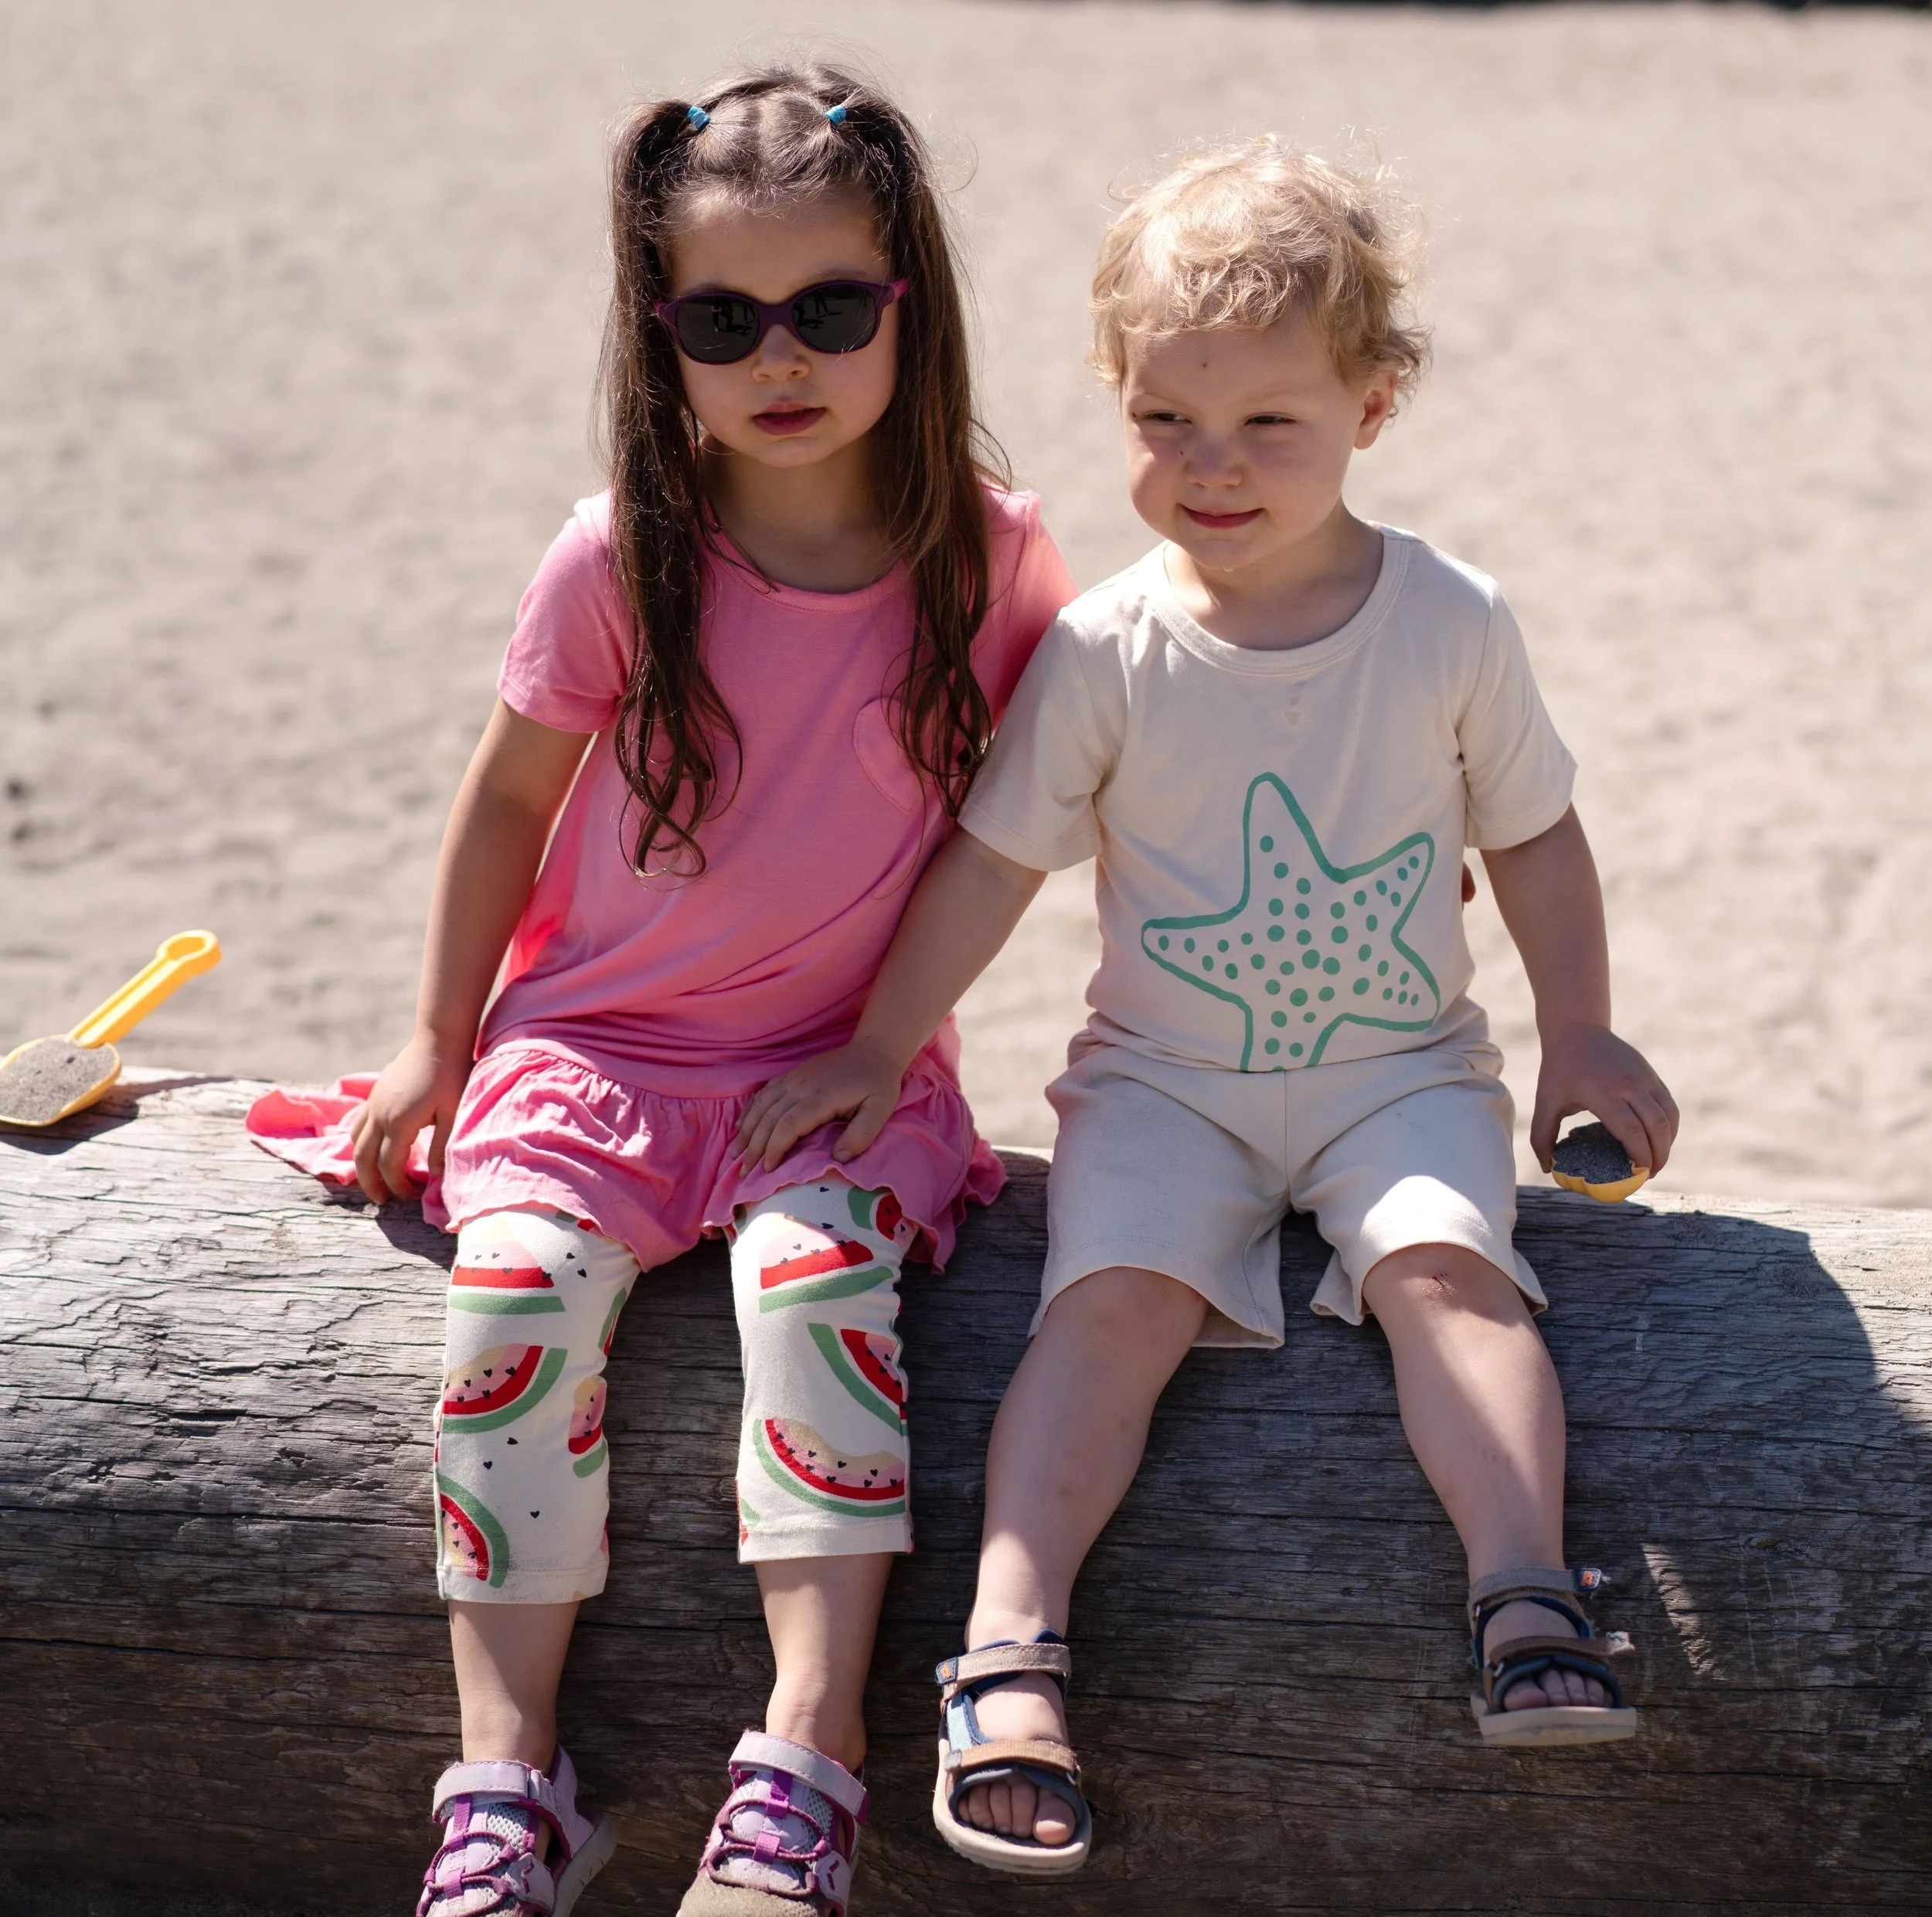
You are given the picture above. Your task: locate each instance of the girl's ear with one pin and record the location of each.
(1378, 408)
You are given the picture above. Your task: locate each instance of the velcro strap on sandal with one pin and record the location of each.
(1525, 1656)
(756, 1749)
(1554, 1589)
(1530, 1581)
(497, 1777)
(1008, 1752)
(1006, 1661)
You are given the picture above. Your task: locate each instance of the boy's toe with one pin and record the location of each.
(1052, 1821)
(1553, 1688)
(1536, 1692)
(1015, 1808)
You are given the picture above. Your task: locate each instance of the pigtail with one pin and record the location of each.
(671, 718)
(934, 458)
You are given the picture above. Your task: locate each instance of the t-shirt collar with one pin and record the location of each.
(738, 568)
(1292, 662)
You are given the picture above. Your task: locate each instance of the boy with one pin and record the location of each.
(1277, 731)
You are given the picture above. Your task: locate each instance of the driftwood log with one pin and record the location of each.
(226, 1673)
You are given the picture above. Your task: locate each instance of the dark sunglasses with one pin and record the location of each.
(839, 316)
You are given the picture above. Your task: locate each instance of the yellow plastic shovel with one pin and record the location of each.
(45, 1079)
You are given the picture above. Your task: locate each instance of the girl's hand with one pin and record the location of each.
(957, 918)
(1588, 1068)
(856, 1081)
(419, 1086)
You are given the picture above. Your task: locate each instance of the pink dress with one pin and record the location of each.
(637, 1016)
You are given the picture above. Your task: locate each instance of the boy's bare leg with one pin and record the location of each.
(1065, 1447)
(822, 1614)
(1484, 1417)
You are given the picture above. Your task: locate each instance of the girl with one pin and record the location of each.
(748, 687)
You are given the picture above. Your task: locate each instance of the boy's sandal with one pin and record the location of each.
(1526, 1656)
(781, 1844)
(493, 1814)
(968, 1758)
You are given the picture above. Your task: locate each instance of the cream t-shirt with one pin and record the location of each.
(1279, 833)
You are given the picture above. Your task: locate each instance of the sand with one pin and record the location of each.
(45, 1079)
(300, 317)
(1592, 1154)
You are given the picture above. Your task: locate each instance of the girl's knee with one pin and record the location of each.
(822, 1469)
(521, 1457)
(829, 1251)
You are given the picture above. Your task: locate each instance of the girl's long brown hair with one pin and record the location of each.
(767, 139)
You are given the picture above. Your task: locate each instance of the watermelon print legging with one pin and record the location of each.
(521, 1463)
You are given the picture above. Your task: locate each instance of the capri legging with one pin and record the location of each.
(523, 1464)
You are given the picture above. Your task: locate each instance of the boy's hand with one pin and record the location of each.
(420, 1086)
(1589, 1068)
(855, 1082)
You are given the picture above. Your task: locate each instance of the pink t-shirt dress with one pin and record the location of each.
(637, 1015)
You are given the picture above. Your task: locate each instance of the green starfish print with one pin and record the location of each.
(1309, 947)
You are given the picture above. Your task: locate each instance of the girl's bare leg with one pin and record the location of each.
(1065, 1447)
(822, 1614)
(509, 1660)
(1484, 1414)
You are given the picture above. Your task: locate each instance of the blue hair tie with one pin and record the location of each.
(836, 115)
(698, 118)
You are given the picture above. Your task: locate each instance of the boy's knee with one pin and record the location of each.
(1427, 1280)
(1126, 1303)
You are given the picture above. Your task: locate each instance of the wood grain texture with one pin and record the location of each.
(221, 1634)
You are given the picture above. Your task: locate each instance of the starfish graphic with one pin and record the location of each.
(1309, 947)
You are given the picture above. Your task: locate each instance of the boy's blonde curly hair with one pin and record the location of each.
(1246, 233)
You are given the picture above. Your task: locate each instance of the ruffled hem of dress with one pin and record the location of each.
(927, 1127)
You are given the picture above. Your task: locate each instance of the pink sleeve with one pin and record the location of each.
(568, 659)
(1030, 584)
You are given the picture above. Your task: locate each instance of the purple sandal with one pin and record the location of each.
(782, 1843)
(492, 1813)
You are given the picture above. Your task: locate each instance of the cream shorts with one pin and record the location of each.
(1188, 1170)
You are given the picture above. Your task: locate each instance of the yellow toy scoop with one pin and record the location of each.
(45, 1079)
(1592, 1161)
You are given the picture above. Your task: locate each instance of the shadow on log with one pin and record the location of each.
(228, 1672)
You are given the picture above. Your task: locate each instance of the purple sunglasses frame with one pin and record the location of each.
(884, 293)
